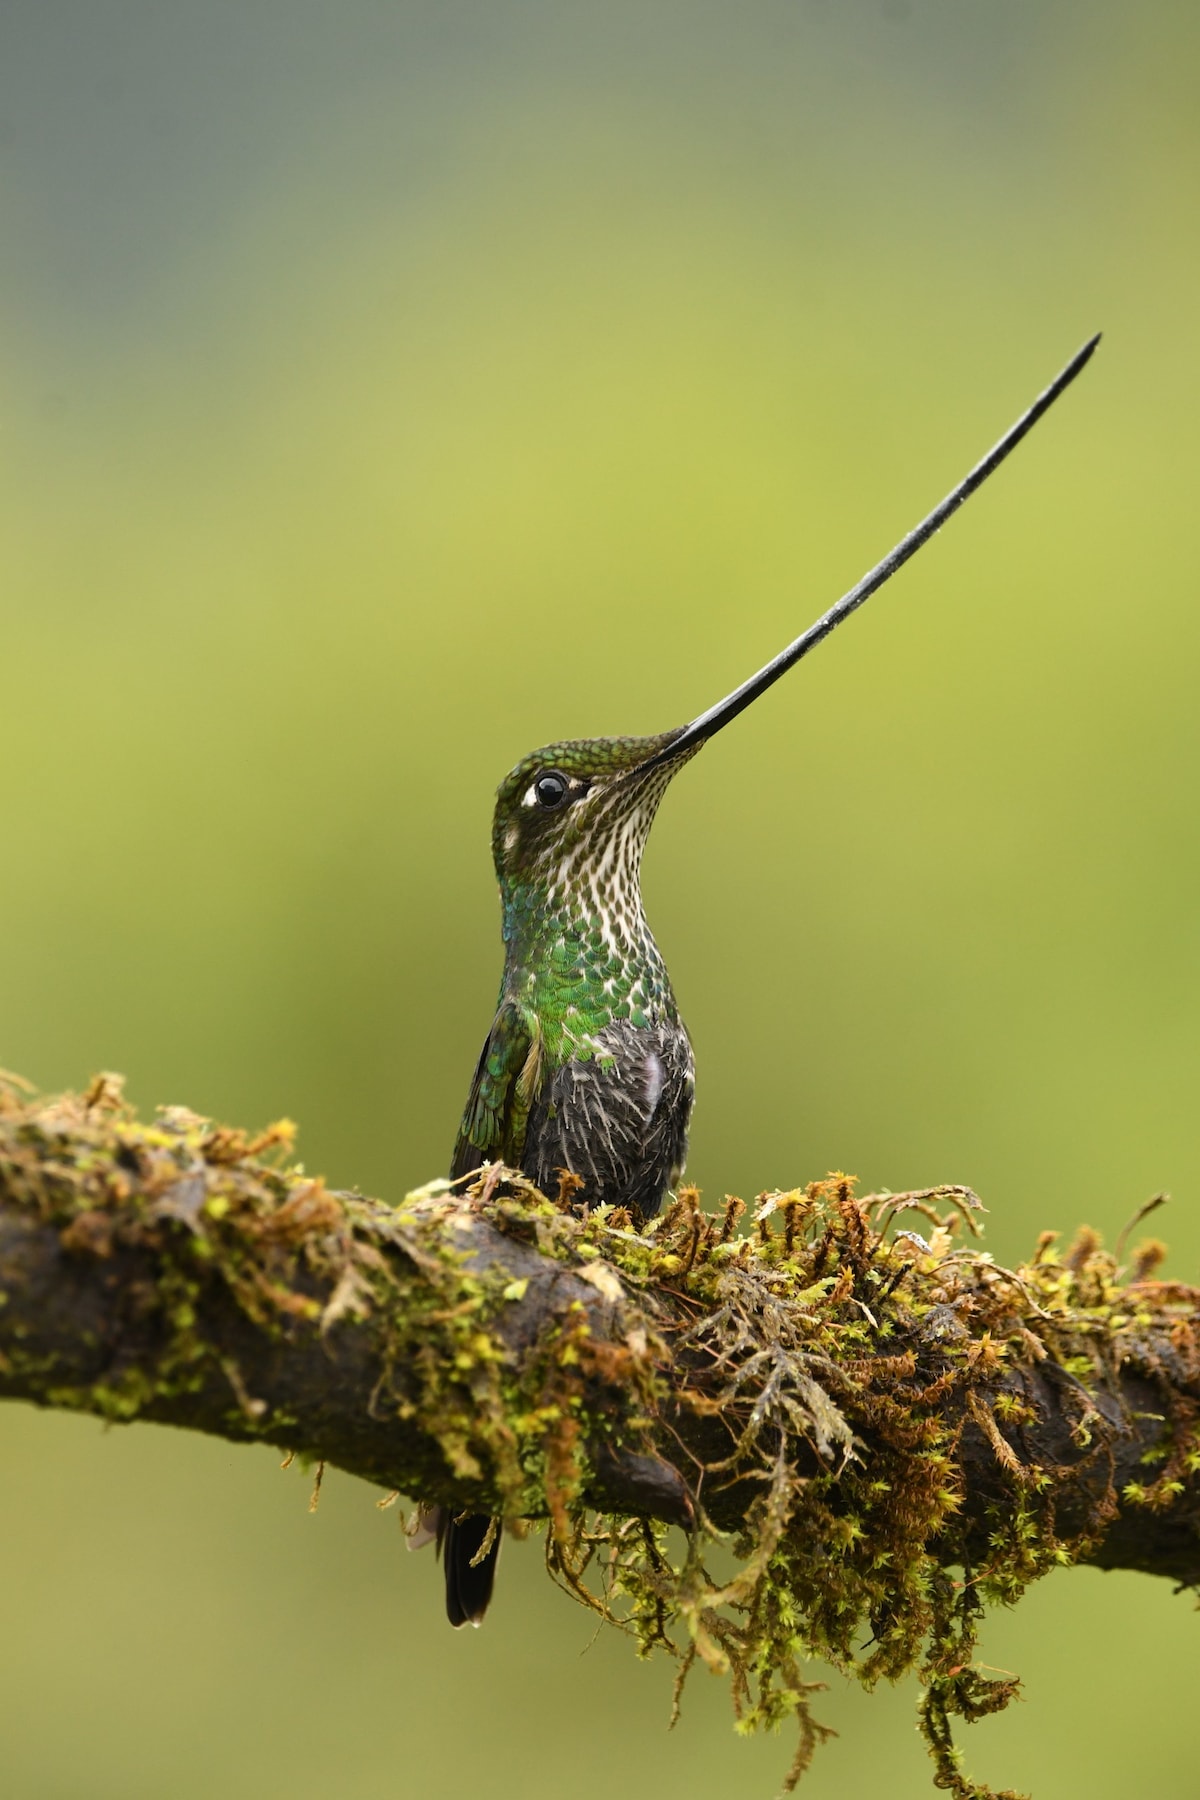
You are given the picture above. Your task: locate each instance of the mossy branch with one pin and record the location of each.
(861, 1410)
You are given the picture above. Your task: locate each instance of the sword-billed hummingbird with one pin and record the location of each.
(588, 1067)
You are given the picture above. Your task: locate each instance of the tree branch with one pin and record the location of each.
(865, 1409)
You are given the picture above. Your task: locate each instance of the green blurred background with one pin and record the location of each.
(388, 388)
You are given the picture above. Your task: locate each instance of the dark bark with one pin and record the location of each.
(183, 1281)
(85, 1330)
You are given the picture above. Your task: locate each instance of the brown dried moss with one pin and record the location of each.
(875, 1433)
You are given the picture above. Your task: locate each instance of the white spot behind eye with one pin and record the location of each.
(529, 798)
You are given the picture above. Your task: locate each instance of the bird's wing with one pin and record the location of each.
(506, 1075)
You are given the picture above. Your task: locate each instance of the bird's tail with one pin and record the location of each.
(469, 1544)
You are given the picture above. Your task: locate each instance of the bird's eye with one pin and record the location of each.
(551, 789)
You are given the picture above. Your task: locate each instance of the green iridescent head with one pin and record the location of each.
(583, 802)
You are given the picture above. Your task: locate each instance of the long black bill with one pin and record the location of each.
(719, 715)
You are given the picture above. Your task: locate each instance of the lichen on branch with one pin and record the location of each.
(888, 1430)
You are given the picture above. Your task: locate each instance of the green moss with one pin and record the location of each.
(822, 1328)
(807, 1353)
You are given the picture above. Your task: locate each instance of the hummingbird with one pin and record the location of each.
(588, 1068)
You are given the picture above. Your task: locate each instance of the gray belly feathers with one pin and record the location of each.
(618, 1120)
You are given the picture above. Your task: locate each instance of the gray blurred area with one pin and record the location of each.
(134, 136)
(386, 389)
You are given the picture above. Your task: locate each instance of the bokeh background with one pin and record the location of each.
(386, 388)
